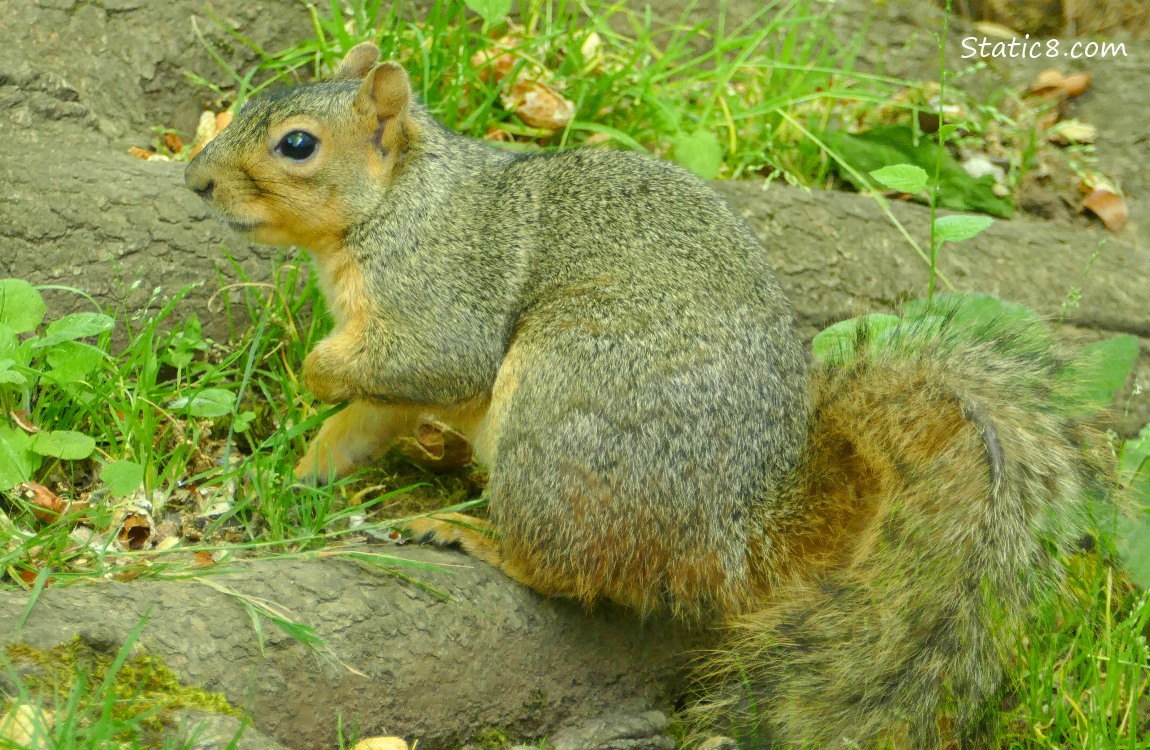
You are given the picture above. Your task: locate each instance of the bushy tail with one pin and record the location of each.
(947, 475)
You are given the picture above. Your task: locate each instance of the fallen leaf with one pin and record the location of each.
(492, 64)
(437, 447)
(1072, 132)
(140, 153)
(135, 530)
(46, 504)
(1109, 207)
(202, 559)
(21, 418)
(223, 119)
(996, 30)
(1051, 84)
(134, 525)
(538, 105)
(1047, 82)
(173, 143)
(29, 577)
(1076, 84)
(498, 135)
(128, 574)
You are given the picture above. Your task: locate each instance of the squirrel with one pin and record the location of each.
(611, 338)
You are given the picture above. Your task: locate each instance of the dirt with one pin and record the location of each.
(82, 81)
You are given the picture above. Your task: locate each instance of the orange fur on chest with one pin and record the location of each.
(344, 289)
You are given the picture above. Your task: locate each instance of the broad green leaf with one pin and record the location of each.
(72, 361)
(1134, 533)
(1134, 546)
(10, 376)
(699, 152)
(974, 309)
(17, 461)
(837, 342)
(1100, 370)
(9, 342)
(75, 326)
(895, 144)
(122, 478)
(959, 227)
(66, 444)
(1135, 467)
(490, 11)
(21, 306)
(210, 403)
(243, 421)
(905, 178)
(184, 343)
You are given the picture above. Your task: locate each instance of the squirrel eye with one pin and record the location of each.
(297, 145)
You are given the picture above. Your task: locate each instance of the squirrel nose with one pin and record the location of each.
(199, 183)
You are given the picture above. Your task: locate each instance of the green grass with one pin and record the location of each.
(721, 98)
(1082, 676)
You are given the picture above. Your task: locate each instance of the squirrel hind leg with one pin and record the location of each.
(347, 439)
(475, 536)
(480, 539)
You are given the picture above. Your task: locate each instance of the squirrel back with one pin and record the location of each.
(613, 341)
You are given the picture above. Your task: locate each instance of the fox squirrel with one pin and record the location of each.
(612, 340)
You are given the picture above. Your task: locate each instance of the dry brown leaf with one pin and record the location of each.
(1072, 132)
(134, 531)
(140, 153)
(173, 143)
(538, 105)
(996, 30)
(46, 504)
(492, 64)
(223, 119)
(23, 421)
(437, 447)
(498, 135)
(202, 559)
(29, 577)
(1109, 207)
(1076, 84)
(1051, 84)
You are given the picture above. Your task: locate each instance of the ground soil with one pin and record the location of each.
(82, 81)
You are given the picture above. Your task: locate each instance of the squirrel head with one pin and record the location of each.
(302, 165)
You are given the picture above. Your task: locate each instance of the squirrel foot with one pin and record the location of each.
(359, 433)
(474, 535)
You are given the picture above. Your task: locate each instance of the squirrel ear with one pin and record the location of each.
(357, 61)
(385, 91)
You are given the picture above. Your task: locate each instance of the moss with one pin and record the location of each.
(146, 692)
